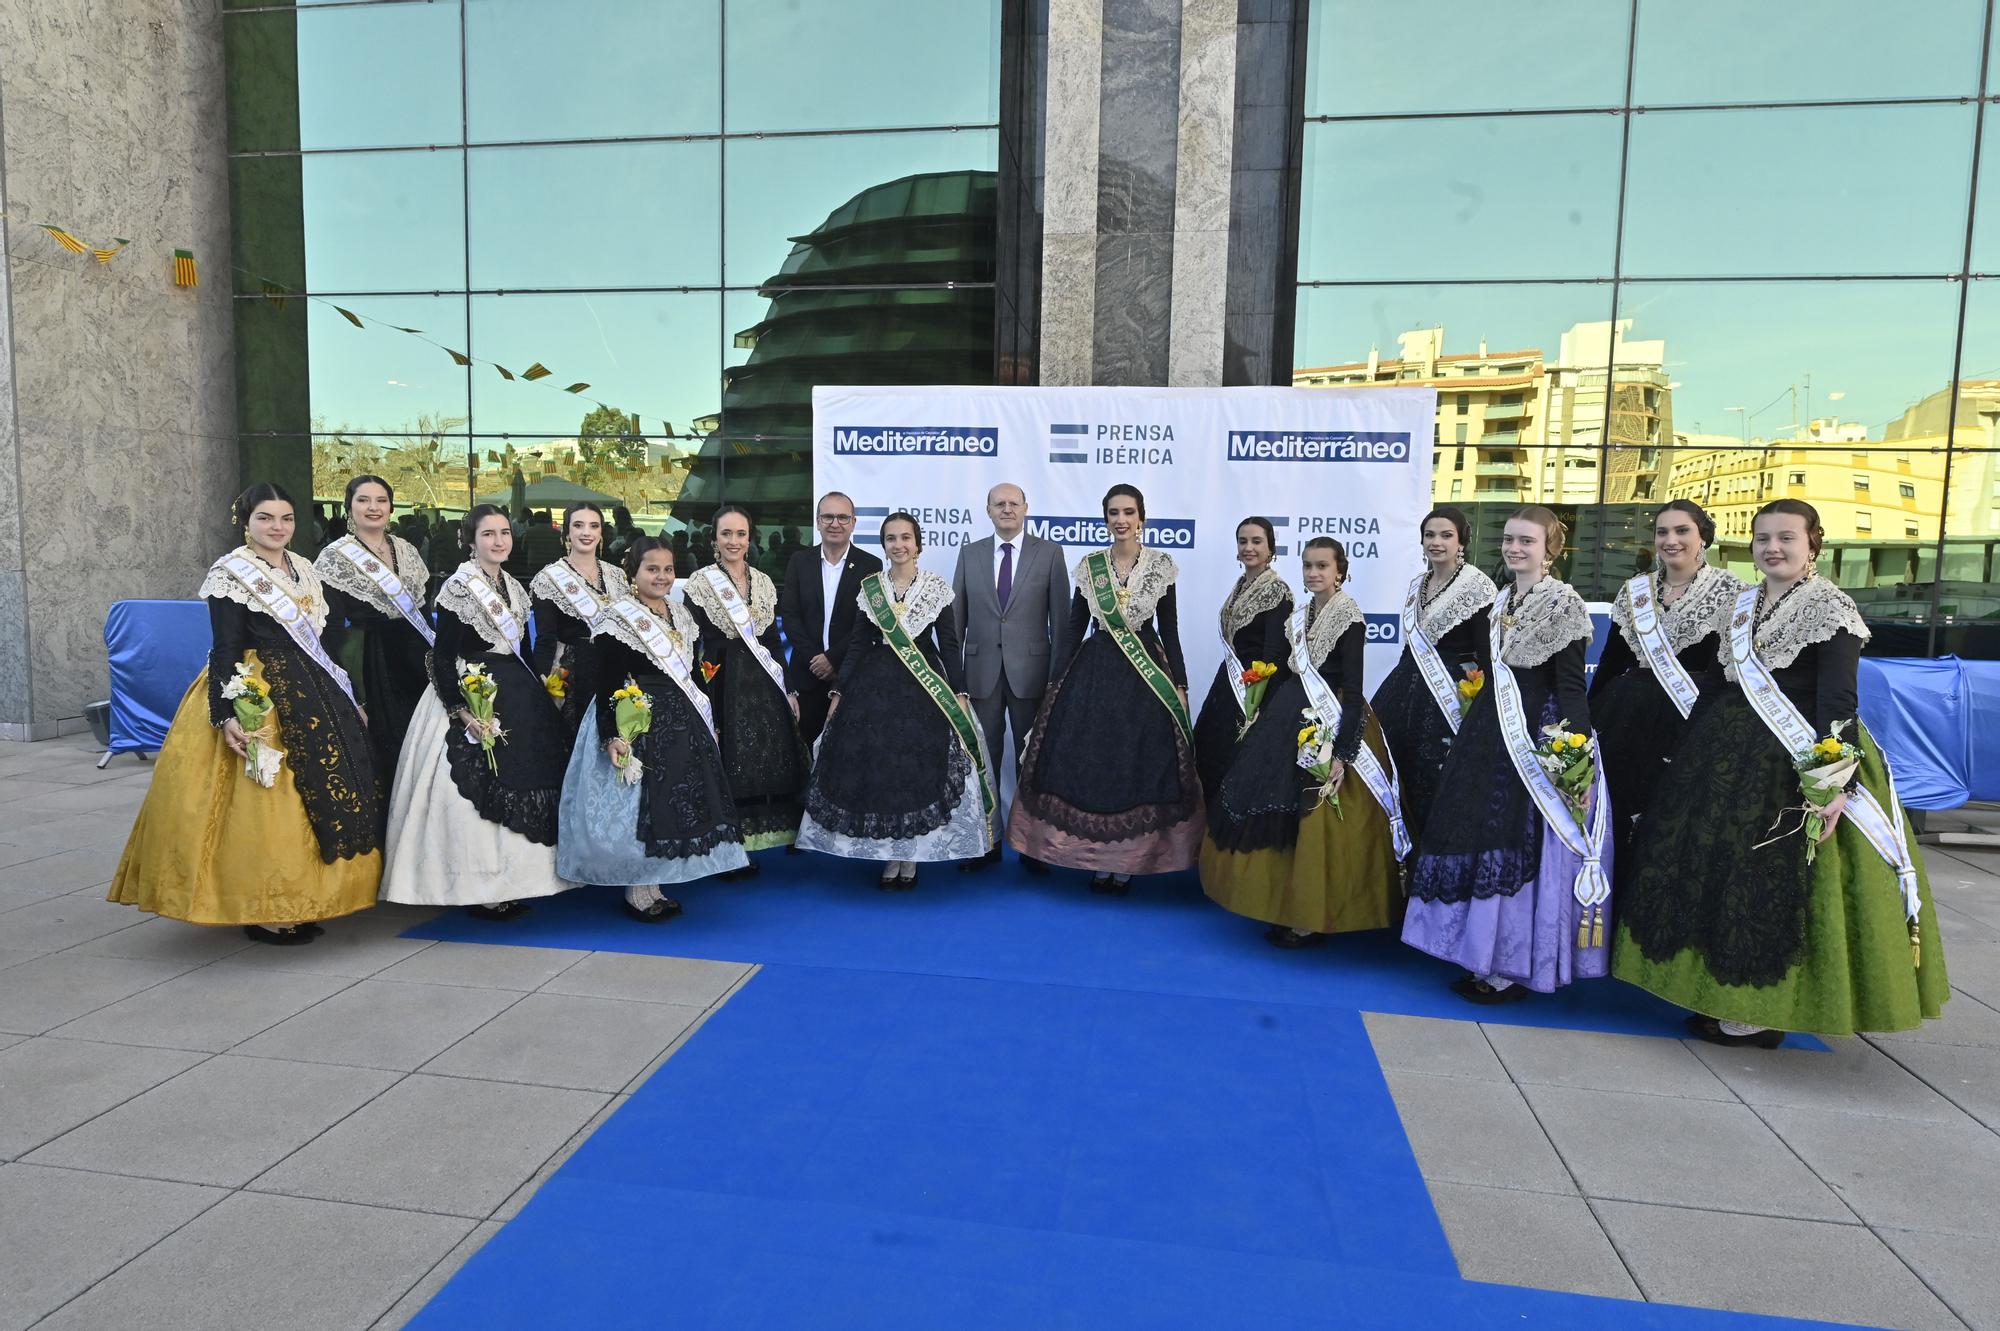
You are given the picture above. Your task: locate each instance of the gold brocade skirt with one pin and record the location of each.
(211, 846)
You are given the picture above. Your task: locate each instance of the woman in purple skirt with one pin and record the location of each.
(1514, 885)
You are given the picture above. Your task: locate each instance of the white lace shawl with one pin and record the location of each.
(1151, 577)
(302, 585)
(1549, 618)
(678, 620)
(763, 600)
(1248, 600)
(544, 586)
(1468, 592)
(1703, 609)
(336, 570)
(457, 597)
(928, 594)
(1340, 613)
(1812, 614)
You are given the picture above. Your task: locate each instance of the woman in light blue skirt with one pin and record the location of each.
(673, 820)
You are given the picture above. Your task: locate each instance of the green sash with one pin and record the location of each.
(1097, 565)
(882, 609)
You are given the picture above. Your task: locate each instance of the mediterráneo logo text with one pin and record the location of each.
(936, 441)
(1319, 446)
(1165, 533)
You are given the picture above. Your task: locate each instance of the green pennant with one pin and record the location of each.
(350, 316)
(536, 371)
(576, 388)
(458, 357)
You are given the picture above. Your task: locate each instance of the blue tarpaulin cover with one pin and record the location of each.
(156, 648)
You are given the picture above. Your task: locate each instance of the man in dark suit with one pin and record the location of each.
(1010, 595)
(817, 608)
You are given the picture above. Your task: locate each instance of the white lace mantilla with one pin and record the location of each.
(456, 597)
(1703, 609)
(1549, 618)
(678, 620)
(1149, 580)
(1811, 614)
(918, 608)
(1468, 592)
(1247, 601)
(302, 584)
(1340, 613)
(763, 600)
(544, 586)
(336, 571)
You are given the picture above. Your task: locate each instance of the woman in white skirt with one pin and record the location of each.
(470, 824)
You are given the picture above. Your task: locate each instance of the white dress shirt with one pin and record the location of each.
(829, 587)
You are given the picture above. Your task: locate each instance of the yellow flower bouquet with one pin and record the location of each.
(1566, 756)
(1255, 680)
(250, 697)
(632, 709)
(1316, 758)
(1469, 687)
(1824, 772)
(479, 689)
(557, 683)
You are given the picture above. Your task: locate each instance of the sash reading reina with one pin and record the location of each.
(1098, 565)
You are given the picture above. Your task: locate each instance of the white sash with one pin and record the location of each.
(1383, 785)
(1234, 670)
(660, 648)
(1436, 678)
(582, 600)
(384, 577)
(739, 615)
(1882, 828)
(496, 610)
(1591, 887)
(279, 605)
(1667, 668)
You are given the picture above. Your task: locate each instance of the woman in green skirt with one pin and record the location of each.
(1760, 912)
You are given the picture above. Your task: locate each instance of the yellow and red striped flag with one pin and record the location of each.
(536, 371)
(185, 273)
(65, 239)
(107, 254)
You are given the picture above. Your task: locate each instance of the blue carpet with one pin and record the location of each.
(1165, 938)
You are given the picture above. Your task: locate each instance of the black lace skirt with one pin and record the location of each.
(1638, 729)
(328, 750)
(525, 793)
(1215, 729)
(1257, 800)
(1106, 761)
(685, 807)
(762, 753)
(393, 678)
(1700, 879)
(1485, 839)
(889, 767)
(1419, 739)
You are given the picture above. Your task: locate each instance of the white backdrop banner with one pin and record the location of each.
(1354, 464)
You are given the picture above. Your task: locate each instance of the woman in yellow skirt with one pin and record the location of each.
(1311, 853)
(272, 830)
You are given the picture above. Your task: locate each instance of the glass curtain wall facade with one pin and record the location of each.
(513, 251)
(1677, 248)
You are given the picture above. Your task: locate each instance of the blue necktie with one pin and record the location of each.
(1006, 588)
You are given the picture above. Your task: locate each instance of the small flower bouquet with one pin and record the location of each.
(709, 669)
(1469, 687)
(1316, 757)
(633, 711)
(1824, 772)
(1567, 758)
(1255, 679)
(557, 683)
(478, 689)
(251, 699)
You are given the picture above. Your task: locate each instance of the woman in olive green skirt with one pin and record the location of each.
(1723, 914)
(1275, 850)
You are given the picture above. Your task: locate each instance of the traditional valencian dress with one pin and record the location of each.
(1419, 703)
(213, 846)
(1278, 852)
(1646, 685)
(1508, 882)
(460, 832)
(1108, 782)
(1253, 629)
(762, 752)
(901, 772)
(375, 608)
(676, 823)
(566, 605)
(1723, 914)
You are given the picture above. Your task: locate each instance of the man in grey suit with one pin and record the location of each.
(1010, 596)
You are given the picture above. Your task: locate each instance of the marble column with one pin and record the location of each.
(117, 395)
(1069, 190)
(1201, 191)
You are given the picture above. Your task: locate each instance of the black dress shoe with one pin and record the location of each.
(750, 870)
(795, 849)
(1291, 939)
(908, 881)
(310, 929)
(1709, 1029)
(292, 937)
(1475, 990)
(888, 881)
(986, 861)
(658, 913)
(1033, 865)
(1100, 883)
(500, 910)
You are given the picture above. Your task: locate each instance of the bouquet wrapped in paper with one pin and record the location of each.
(1255, 680)
(1825, 770)
(479, 689)
(250, 697)
(1316, 758)
(1566, 756)
(632, 710)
